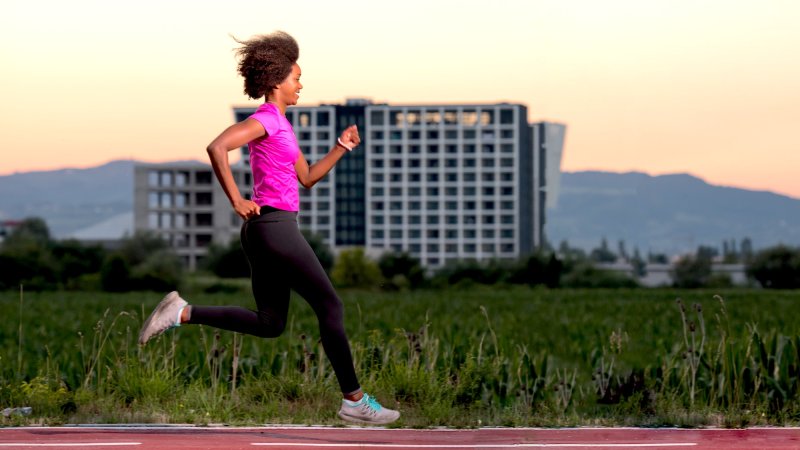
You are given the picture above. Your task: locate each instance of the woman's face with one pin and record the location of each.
(288, 92)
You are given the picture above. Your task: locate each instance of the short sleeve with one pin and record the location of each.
(268, 117)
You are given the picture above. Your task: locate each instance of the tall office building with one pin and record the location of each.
(442, 182)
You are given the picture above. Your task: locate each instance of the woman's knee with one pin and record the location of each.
(270, 326)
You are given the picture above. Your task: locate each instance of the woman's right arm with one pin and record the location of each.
(234, 137)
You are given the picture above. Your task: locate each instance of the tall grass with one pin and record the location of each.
(503, 356)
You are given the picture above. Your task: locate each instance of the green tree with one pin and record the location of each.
(27, 258)
(354, 269)
(691, 271)
(321, 249)
(776, 267)
(227, 261)
(603, 254)
(143, 262)
(401, 269)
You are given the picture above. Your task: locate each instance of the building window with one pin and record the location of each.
(396, 220)
(487, 248)
(203, 220)
(203, 198)
(152, 178)
(488, 234)
(451, 234)
(202, 240)
(432, 118)
(506, 233)
(414, 233)
(432, 220)
(377, 220)
(152, 220)
(507, 219)
(202, 177)
(323, 118)
(487, 117)
(506, 116)
(377, 177)
(469, 118)
(165, 200)
(396, 206)
(396, 234)
(469, 248)
(377, 234)
(377, 118)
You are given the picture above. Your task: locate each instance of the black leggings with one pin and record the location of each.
(281, 259)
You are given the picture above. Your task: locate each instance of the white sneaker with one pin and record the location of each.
(165, 316)
(368, 411)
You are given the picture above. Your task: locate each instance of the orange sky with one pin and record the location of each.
(709, 87)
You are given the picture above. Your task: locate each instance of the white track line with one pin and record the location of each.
(68, 444)
(576, 445)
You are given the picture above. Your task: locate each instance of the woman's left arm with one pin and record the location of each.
(310, 175)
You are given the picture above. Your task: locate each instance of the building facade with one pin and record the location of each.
(441, 182)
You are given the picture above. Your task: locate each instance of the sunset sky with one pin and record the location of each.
(708, 87)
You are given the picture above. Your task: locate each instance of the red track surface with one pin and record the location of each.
(308, 438)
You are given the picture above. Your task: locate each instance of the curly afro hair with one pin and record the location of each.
(265, 61)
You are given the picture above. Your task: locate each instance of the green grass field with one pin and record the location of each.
(507, 356)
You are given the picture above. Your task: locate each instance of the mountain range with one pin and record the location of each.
(665, 214)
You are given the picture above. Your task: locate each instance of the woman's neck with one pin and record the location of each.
(281, 106)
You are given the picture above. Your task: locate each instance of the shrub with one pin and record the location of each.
(776, 267)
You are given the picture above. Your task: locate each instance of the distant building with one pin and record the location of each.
(442, 182)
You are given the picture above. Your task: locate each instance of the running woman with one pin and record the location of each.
(280, 258)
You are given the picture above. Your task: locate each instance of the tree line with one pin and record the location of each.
(29, 256)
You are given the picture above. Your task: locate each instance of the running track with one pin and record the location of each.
(312, 438)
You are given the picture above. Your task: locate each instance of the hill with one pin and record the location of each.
(667, 213)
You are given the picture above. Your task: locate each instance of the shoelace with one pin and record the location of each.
(373, 404)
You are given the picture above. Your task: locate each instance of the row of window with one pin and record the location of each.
(415, 149)
(184, 240)
(169, 178)
(448, 134)
(416, 233)
(470, 248)
(178, 200)
(433, 163)
(164, 220)
(449, 205)
(399, 177)
(468, 219)
(450, 191)
(449, 116)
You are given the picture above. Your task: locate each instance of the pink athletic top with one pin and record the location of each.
(272, 159)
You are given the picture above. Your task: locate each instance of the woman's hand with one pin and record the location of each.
(246, 208)
(350, 137)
